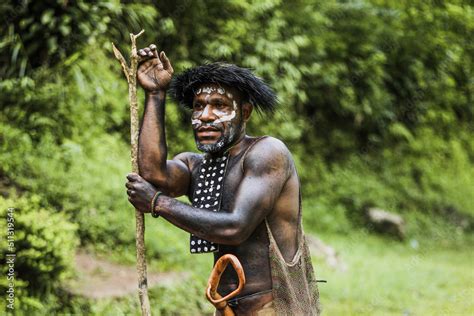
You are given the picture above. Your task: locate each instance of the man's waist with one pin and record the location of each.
(251, 302)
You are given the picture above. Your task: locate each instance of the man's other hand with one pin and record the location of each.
(154, 71)
(140, 192)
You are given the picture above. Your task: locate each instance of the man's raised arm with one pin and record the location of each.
(170, 176)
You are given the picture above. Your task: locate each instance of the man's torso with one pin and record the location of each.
(282, 219)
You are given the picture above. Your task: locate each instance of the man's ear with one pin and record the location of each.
(247, 109)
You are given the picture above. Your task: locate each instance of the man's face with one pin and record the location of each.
(216, 117)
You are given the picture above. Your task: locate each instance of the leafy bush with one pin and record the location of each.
(44, 245)
(428, 176)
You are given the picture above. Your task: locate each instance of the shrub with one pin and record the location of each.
(44, 245)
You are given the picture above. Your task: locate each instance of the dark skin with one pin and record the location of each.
(265, 185)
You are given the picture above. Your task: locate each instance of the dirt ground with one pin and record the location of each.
(98, 278)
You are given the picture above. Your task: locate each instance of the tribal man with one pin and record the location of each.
(244, 191)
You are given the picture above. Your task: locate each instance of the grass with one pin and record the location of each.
(389, 278)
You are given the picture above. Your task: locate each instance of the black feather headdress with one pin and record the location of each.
(253, 89)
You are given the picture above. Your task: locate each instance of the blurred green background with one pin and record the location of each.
(376, 105)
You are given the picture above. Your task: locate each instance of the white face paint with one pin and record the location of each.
(206, 89)
(210, 90)
(234, 104)
(224, 118)
(196, 122)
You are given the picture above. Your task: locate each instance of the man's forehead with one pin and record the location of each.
(218, 89)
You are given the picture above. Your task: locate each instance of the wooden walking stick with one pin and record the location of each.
(131, 75)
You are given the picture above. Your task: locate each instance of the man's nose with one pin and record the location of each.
(207, 114)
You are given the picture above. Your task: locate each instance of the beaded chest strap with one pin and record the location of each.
(208, 195)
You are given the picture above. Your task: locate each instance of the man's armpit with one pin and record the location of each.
(191, 161)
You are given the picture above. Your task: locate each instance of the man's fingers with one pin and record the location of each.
(143, 59)
(166, 62)
(130, 185)
(145, 54)
(133, 176)
(154, 50)
(148, 52)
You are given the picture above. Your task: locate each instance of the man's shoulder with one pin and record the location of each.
(268, 153)
(268, 146)
(190, 159)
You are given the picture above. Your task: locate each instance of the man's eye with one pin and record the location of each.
(197, 106)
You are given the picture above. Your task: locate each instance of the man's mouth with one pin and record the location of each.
(205, 132)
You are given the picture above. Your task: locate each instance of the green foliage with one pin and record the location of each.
(44, 34)
(44, 247)
(404, 179)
